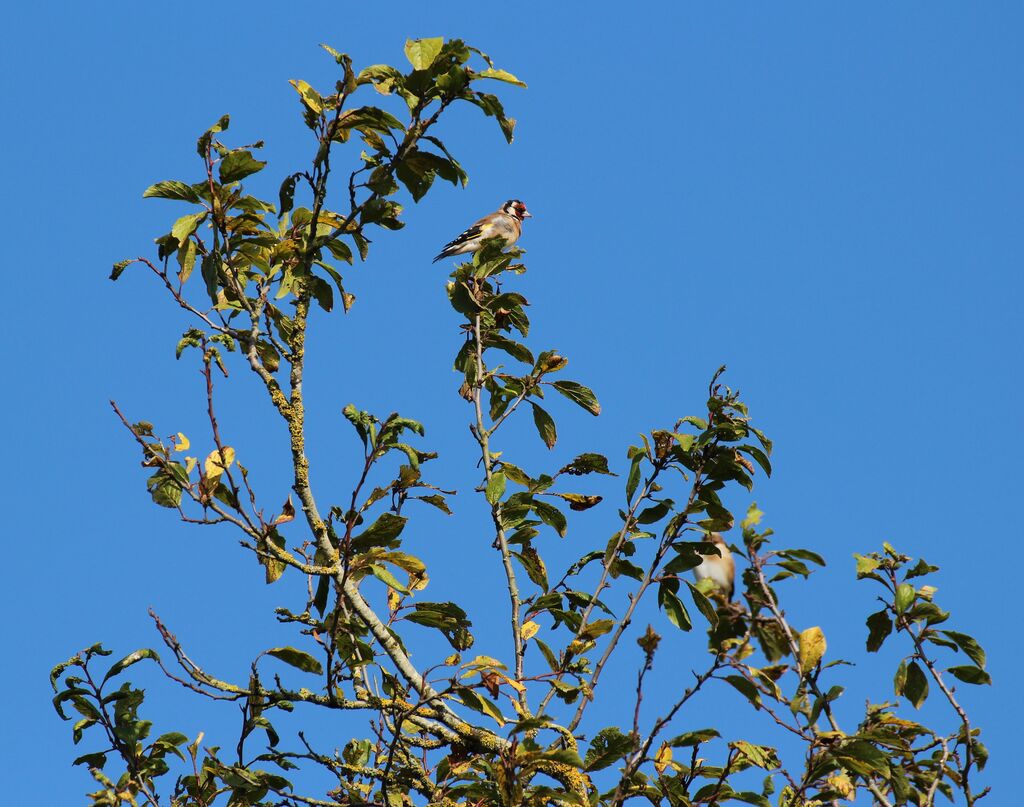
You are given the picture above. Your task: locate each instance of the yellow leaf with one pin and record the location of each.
(812, 648)
(218, 462)
(514, 684)
(842, 785)
(483, 663)
(753, 516)
(530, 630)
(662, 758)
(190, 464)
(182, 444)
(394, 600)
(452, 660)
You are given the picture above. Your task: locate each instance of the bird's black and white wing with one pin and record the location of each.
(462, 242)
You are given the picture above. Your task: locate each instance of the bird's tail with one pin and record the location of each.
(444, 253)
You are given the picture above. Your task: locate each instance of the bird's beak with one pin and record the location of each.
(527, 214)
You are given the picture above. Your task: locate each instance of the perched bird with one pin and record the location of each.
(722, 570)
(506, 222)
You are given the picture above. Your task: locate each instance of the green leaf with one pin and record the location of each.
(119, 267)
(970, 674)
(480, 704)
(747, 689)
(692, 738)
(95, 760)
(422, 52)
(238, 165)
(383, 532)
(579, 394)
(879, 627)
(366, 118)
(863, 758)
(387, 578)
(608, 746)
(803, 554)
(674, 608)
(286, 196)
(655, 513)
(551, 516)
(534, 565)
(129, 660)
(165, 490)
(495, 488)
(905, 595)
(922, 567)
(210, 269)
(968, 644)
(761, 756)
(899, 680)
(633, 479)
(186, 225)
(436, 500)
(492, 107)
(704, 606)
(545, 425)
(447, 617)
(203, 143)
(171, 189)
(865, 565)
(297, 658)
(500, 75)
(916, 687)
(310, 98)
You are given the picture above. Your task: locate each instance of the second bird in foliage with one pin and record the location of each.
(506, 223)
(720, 569)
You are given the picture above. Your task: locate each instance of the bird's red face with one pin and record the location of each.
(516, 208)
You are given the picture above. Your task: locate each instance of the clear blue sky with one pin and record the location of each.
(825, 197)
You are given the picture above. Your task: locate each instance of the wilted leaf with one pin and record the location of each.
(287, 512)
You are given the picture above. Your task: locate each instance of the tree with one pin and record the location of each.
(470, 729)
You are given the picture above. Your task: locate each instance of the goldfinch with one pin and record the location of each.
(722, 570)
(506, 222)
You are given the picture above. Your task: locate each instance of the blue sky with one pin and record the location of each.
(824, 197)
